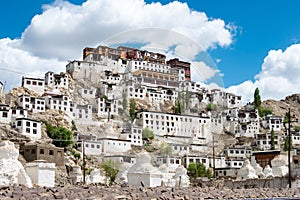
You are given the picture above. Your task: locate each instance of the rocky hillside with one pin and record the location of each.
(282, 106)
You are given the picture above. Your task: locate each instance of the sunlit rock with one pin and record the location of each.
(11, 170)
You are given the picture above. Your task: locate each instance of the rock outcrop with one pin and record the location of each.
(11, 170)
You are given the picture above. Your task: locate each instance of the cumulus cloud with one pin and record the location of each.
(16, 63)
(279, 76)
(202, 72)
(62, 30)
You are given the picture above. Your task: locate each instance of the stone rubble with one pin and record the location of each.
(130, 192)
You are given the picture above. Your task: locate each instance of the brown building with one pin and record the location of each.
(186, 66)
(153, 57)
(263, 158)
(129, 53)
(50, 153)
(87, 51)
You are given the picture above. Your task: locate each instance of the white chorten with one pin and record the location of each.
(268, 172)
(181, 177)
(246, 171)
(279, 166)
(122, 174)
(142, 172)
(257, 168)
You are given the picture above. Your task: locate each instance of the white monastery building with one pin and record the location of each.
(35, 84)
(28, 127)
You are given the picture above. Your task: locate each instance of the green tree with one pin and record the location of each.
(166, 149)
(74, 128)
(297, 128)
(147, 134)
(124, 102)
(257, 99)
(272, 140)
(264, 111)
(198, 170)
(178, 107)
(211, 107)
(132, 107)
(111, 170)
(187, 97)
(286, 144)
(61, 136)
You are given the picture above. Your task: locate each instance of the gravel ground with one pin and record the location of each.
(130, 192)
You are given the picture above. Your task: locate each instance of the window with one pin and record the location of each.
(32, 151)
(34, 131)
(27, 123)
(27, 130)
(4, 114)
(34, 124)
(41, 151)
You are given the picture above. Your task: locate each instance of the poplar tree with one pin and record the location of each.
(132, 106)
(272, 140)
(257, 99)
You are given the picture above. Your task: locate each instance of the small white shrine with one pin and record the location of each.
(279, 166)
(75, 175)
(258, 168)
(143, 173)
(96, 176)
(268, 172)
(41, 173)
(123, 171)
(247, 171)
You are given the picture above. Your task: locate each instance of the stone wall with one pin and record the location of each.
(277, 182)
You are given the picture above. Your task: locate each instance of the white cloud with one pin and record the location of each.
(63, 30)
(279, 76)
(201, 72)
(15, 63)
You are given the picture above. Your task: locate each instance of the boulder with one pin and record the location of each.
(11, 170)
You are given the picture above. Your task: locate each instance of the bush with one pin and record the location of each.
(211, 107)
(111, 169)
(198, 170)
(264, 111)
(165, 149)
(147, 134)
(61, 136)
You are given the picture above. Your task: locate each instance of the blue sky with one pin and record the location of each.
(261, 26)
